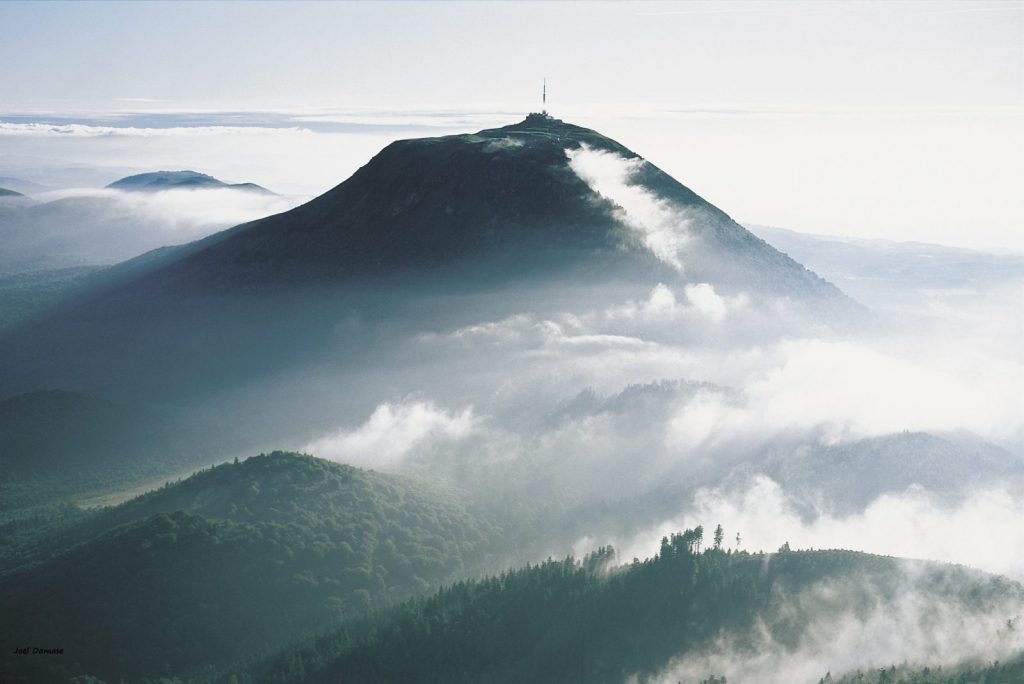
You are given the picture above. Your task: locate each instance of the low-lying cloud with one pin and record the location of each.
(982, 531)
(97, 227)
(844, 626)
(392, 432)
(843, 388)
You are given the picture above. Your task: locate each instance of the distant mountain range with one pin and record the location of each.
(97, 227)
(886, 275)
(4, 192)
(178, 180)
(23, 186)
(844, 478)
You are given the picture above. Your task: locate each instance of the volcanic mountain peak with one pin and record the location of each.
(542, 129)
(541, 205)
(511, 202)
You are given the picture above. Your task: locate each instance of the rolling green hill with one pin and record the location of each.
(235, 560)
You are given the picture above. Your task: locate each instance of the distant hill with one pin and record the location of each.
(885, 274)
(179, 180)
(4, 192)
(95, 228)
(23, 186)
(233, 561)
(845, 477)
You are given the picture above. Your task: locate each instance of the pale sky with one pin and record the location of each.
(902, 120)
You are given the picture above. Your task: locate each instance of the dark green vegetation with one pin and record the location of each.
(566, 621)
(204, 579)
(178, 180)
(1008, 672)
(236, 560)
(27, 295)
(59, 446)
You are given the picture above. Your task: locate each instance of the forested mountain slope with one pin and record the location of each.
(234, 560)
(566, 621)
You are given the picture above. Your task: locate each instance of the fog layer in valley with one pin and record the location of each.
(86, 227)
(841, 626)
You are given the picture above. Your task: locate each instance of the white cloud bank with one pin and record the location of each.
(104, 226)
(845, 628)
(661, 227)
(984, 531)
(392, 432)
(662, 305)
(840, 389)
(187, 214)
(93, 131)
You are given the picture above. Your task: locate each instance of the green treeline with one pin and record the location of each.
(1010, 672)
(568, 621)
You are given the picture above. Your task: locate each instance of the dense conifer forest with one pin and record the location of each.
(237, 559)
(589, 621)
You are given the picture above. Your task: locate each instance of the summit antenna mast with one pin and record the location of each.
(544, 97)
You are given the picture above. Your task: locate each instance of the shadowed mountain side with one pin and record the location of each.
(25, 296)
(59, 447)
(500, 212)
(505, 201)
(468, 202)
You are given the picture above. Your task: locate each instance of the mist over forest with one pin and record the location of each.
(502, 400)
